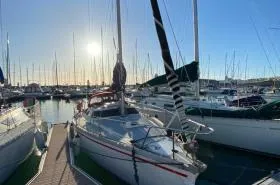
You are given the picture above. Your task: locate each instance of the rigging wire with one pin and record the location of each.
(262, 45)
(174, 37)
(268, 36)
(269, 39)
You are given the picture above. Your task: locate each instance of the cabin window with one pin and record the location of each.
(112, 112)
(154, 103)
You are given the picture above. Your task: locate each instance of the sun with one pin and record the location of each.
(93, 49)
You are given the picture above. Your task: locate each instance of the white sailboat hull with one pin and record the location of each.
(260, 136)
(120, 161)
(15, 152)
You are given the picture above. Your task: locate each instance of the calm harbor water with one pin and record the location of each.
(225, 165)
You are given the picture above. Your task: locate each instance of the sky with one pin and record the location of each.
(229, 32)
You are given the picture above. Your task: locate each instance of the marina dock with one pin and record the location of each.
(57, 168)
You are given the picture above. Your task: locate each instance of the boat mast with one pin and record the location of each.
(246, 60)
(74, 57)
(196, 49)
(208, 70)
(45, 75)
(8, 61)
(108, 65)
(33, 72)
(39, 74)
(20, 75)
(84, 76)
(225, 70)
(94, 72)
(56, 75)
(14, 73)
(102, 62)
(120, 59)
(27, 80)
(136, 58)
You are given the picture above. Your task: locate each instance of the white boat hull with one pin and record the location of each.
(132, 169)
(15, 152)
(260, 136)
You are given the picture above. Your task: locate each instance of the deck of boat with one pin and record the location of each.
(273, 179)
(57, 168)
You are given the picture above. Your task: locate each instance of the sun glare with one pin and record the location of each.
(93, 49)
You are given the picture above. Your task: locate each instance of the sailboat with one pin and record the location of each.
(17, 132)
(130, 145)
(74, 92)
(246, 128)
(57, 93)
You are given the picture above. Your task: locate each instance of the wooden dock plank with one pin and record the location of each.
(57, 168)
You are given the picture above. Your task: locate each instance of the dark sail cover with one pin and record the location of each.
(187, 73)
(1, 76)
(119, 77)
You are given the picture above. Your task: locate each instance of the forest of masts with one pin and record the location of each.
(99, 71)
(96, 71)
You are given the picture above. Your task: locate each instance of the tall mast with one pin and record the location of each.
(64, 74)
(81, 77)
(102, 64)
(91, 69)
(56, 75)
(74, 59)
(94, 72)
(27, 80)
(119, 31)
(39, 75)
(225, 70)
(151, 67)
(133, 69)
(20, 75)
(196, 49)
(14, 74)
(245, 77)
(84, 76)
(136, 58)
(45, 75)
(120, 59)
(33, 72)
(208, 69)
(108, 65)
(8, 61)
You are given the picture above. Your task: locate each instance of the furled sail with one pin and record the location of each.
(119, 77)
(187, 73)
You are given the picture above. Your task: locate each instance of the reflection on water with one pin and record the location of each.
(57, 111)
